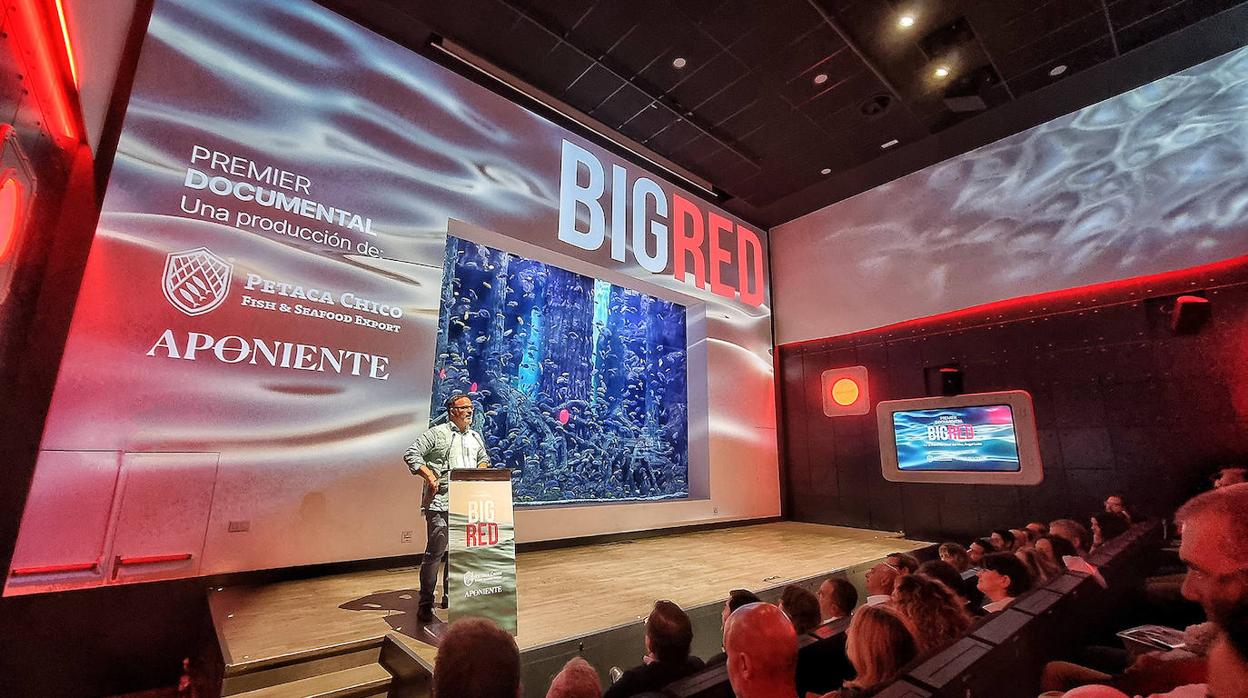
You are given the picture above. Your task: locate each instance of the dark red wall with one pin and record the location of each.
(1122, 405)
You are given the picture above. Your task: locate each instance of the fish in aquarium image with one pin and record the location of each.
(580, 384)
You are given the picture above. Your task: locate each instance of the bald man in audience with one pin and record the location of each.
(880, 582)
(762, 652)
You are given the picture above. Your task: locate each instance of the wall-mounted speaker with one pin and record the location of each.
(943, 380)
(1189, 314)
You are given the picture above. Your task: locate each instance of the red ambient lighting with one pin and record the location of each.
(69, 45)
(11, 204)
(50, 61)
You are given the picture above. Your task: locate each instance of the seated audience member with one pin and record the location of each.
(1022, 538)
(1031, 558)
(1002, 540)
(1229, 476)
(1037, 530)
(880, 581)
(762, 652)
(1043, 568)
(1215, 549)
(668, 636)
(476, 659)
(823, 666)
(935, 610)
(1115, 504)
(955, 555)
(736, 599)
(1073, 531)
(1069, 556)
(976, 551)
(904, 563)
(1003, 579)
(577, 679)
(837, 598)
(880, 641)
(801, 607)
(1106, 526)
(1055, 549)
(1228, 659)
(964, 588)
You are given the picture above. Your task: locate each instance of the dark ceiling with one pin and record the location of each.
(785, 105)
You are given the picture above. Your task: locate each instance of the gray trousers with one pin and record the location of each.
(438, 523)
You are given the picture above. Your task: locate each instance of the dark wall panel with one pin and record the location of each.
(1122, 405)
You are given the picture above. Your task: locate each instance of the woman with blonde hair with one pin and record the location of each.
(936, 611)
(879, 642)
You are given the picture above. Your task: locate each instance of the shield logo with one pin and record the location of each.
(196, 281)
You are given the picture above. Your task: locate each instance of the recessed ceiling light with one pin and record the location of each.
(1057, 70)
(826, 170)
(679, 62)
(821, 78)
(905, 21)
(886, 146)
(942, 72)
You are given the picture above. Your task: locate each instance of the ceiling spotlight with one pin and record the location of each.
(821, 78)
(905, 21)
(826, 171)
(942, 72)
(1057, 70)
(886, 146)
(679, 62)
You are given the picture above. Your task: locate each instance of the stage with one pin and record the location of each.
(586, 599)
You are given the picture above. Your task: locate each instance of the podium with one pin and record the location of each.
(481, 548)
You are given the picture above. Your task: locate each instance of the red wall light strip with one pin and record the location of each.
(69, 45)
(46, 73)
(55, 569)
(152, 559)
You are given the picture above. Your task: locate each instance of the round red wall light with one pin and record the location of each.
(11, 204)
(845, 392)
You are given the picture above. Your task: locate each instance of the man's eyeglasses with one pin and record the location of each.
(463, 408)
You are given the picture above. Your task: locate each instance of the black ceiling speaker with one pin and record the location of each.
(876, 107)
(1189, 314)
(970, 91)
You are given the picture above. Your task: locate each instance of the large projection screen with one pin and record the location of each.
(259, 317)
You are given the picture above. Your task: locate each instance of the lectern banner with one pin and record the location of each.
(482, 547)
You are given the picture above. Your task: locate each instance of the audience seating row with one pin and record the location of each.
(1005, 654)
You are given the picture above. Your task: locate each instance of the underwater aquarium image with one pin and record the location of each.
(580, 384)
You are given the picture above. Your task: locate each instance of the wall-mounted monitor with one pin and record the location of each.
(979, 438)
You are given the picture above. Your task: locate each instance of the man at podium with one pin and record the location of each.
(452, 444)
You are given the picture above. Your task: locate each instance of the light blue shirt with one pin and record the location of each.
(444, 447)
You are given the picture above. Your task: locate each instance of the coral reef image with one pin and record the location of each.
(580, 385)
